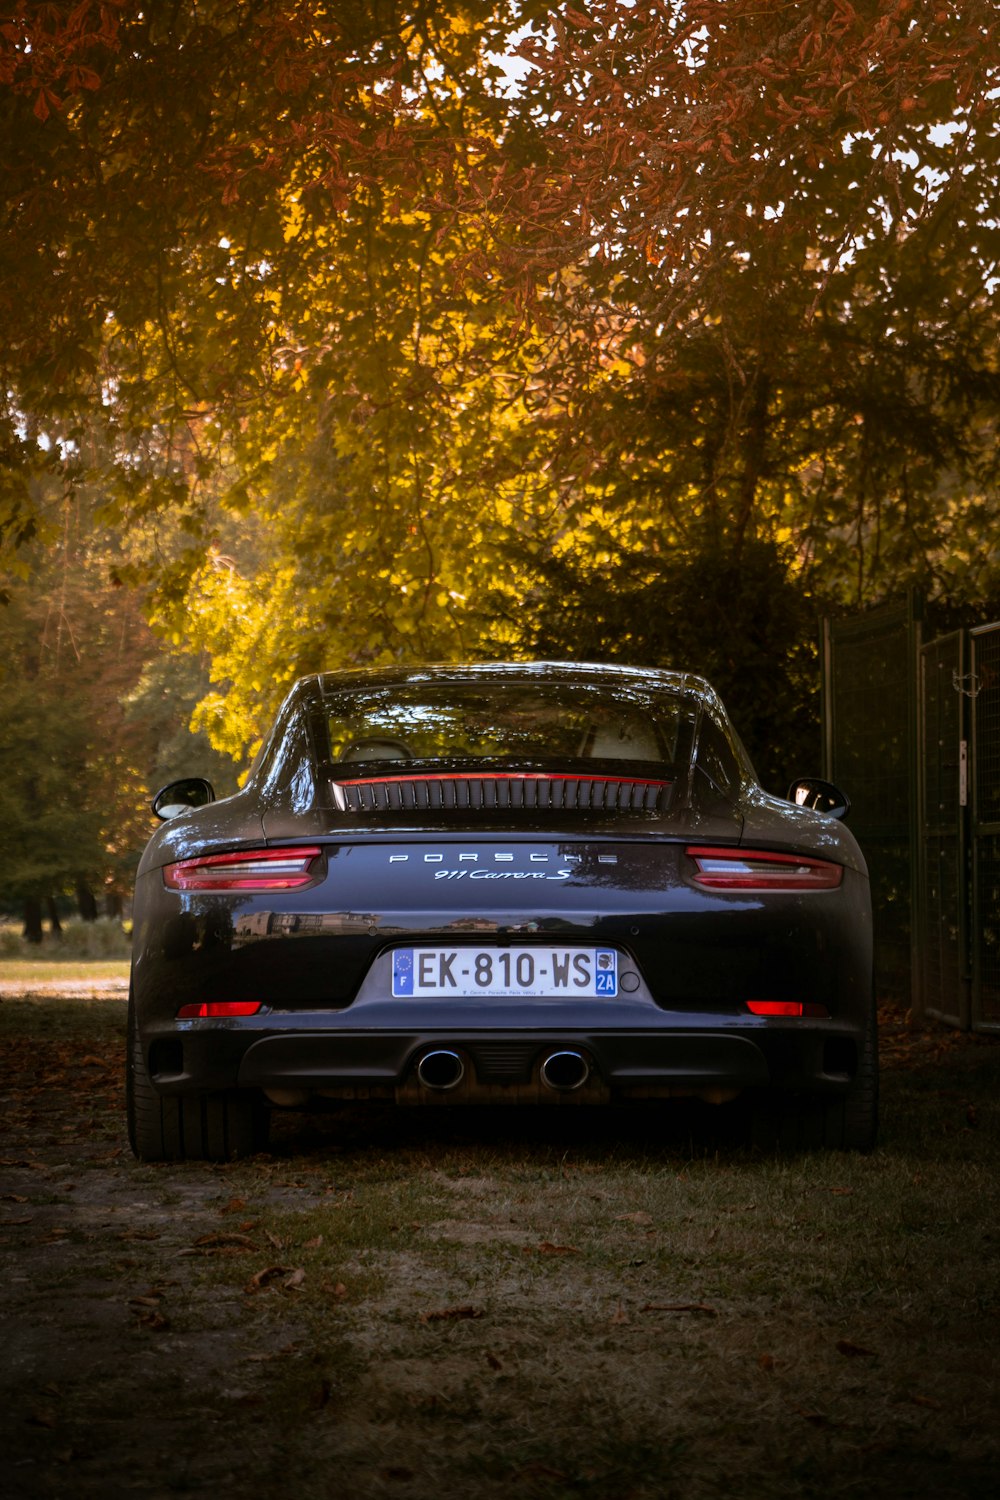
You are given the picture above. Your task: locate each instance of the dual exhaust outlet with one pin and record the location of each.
(561, 1071)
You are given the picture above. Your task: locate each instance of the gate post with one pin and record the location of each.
(941, 927)
(984, 692)
(870, 749)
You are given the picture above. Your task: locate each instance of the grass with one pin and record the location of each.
(560, 1305)
(104, 940)
(564, 1311)
(84, 952)
(64, 970)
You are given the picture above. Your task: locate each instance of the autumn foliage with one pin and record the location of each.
(389, 332)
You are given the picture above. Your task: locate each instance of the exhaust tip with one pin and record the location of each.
(565, 1071)
(440, 1070)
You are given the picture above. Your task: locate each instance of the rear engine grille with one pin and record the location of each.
(504, 1062)
(492, 793)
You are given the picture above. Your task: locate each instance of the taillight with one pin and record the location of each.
(786, 1008)
(248, 870)
(760, 870)
(220, 1008)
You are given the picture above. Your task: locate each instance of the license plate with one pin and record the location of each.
(505, 973)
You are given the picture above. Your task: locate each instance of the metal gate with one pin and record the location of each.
(941, 946)
(984, 687)
(912, 732)
(957, 928)
(869, 737)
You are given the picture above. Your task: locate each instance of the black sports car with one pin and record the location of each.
(503, 883)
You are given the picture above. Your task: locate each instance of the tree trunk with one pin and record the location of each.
(32, 920)
(86, 902)
(54, 922)
(113, 904)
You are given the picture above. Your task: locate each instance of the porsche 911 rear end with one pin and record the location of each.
(547, 885)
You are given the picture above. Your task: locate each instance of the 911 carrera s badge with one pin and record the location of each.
(502, 874)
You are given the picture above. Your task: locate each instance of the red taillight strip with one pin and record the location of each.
(244, 870)
(763, 870)
(786, 1008)
(219, 1008)
(501, 776)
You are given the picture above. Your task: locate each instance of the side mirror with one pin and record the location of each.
(820, 796)
(180, 796)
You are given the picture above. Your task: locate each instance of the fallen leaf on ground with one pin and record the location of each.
(766, 1363)
(680, 1307)
(640, 1217)
(547, 1248)
(445, 1313)
(295, 1280)
(854, 1351)
(493, 1362)
(265, 1276)
(155, 1321)
(209, 1242)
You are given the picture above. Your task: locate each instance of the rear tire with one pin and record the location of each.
(857, 1123)
(844, 1122)
(188, 1127)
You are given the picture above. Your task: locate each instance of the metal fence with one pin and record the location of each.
(912, 732)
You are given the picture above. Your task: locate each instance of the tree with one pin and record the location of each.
(763, 238)
(176, 178)
(91, 717)
(396, 349)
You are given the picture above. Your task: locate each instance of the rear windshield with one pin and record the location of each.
(509, 719)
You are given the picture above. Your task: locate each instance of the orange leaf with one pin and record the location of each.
(263, 1278)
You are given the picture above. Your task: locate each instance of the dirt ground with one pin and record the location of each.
(316, 1322)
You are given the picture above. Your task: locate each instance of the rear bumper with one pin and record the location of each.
(690, 960)
(711, 1061)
